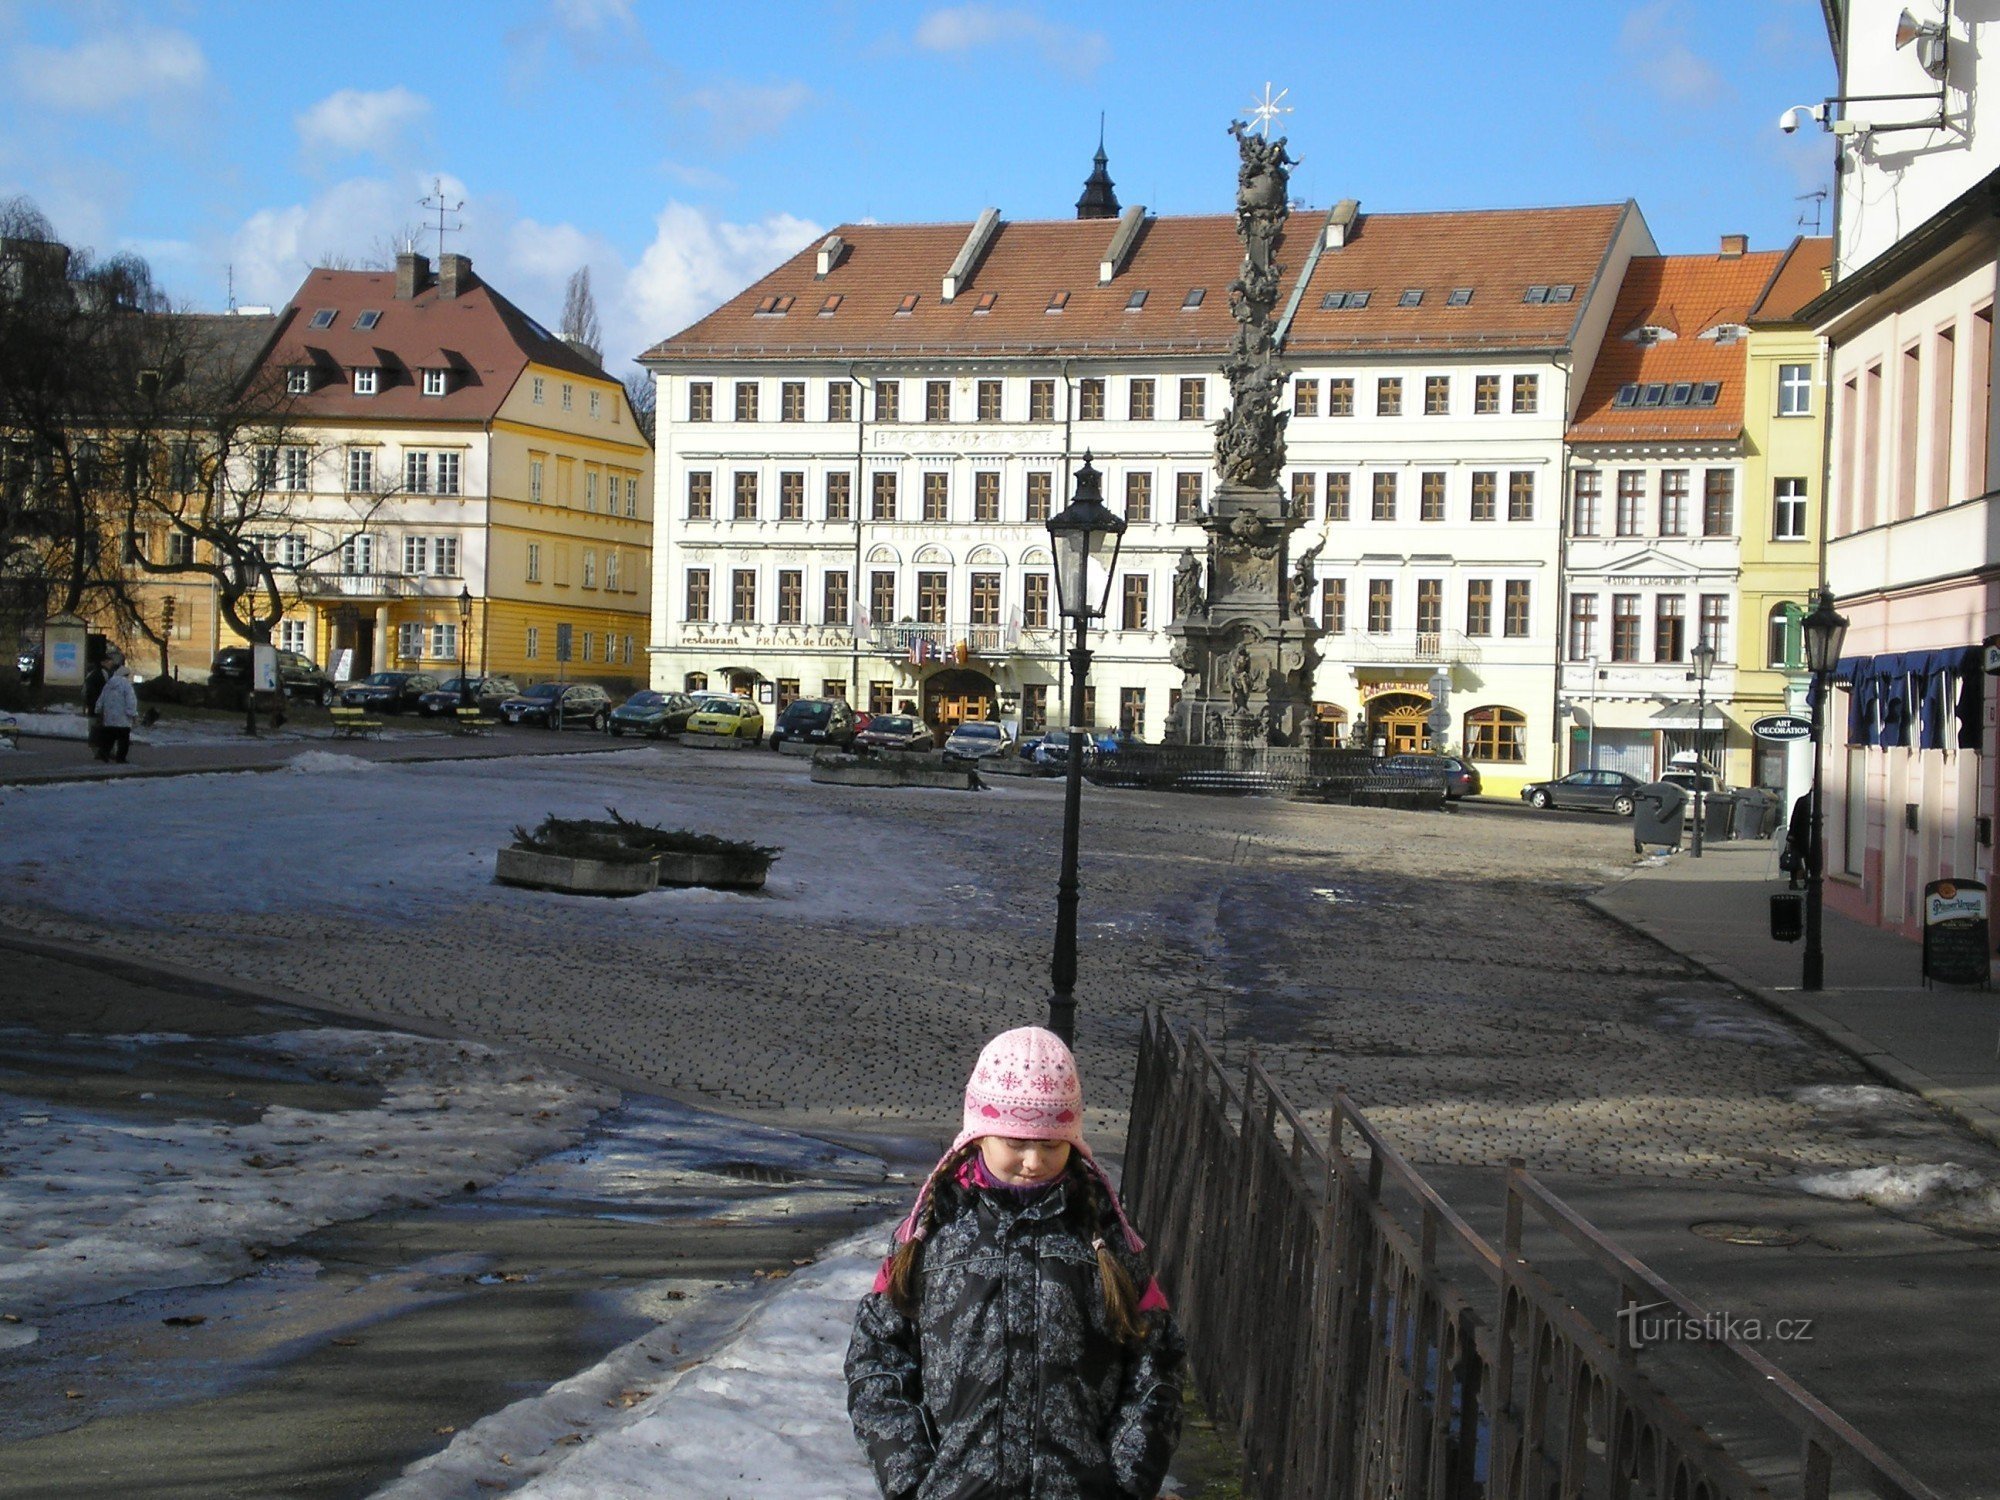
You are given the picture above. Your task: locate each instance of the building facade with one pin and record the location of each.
(858, 455)
(1912, 554)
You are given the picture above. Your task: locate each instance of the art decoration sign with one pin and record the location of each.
(1957, 946)
(1782, 728)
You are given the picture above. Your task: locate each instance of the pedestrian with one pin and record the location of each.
(1007, 1349)
(1796, 859)
(117, 709)
(93, 684)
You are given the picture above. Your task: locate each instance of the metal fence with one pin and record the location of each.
(1366, 1343)
(1271, 770)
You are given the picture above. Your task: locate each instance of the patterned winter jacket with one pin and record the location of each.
(1008, 1385)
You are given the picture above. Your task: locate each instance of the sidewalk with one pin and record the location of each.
(1938, 1042)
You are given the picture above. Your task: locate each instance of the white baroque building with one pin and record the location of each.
(857, 454)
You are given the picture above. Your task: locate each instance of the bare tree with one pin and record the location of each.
(641, 392)
(579, 314)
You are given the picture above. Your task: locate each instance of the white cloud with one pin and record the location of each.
(1654, 36)
(697, 261)
(589, 17)
(110, 71)
(352, 122)
(969, 28)
(701, 179)
(742, 110)
(275, 247)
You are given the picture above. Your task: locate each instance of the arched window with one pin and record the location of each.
(1786, 643)
(695, 682)
(1499, 734)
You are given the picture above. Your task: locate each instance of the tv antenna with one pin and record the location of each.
(1816, 197)
(435, 200)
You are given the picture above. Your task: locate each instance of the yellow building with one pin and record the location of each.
(1784, 416)
(460, 482)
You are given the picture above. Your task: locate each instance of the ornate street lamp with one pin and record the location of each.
(1825, 633)
(464, 629)
(1078, 533)
(1704, 663)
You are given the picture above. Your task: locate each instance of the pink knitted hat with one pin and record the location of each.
(1025, 1085)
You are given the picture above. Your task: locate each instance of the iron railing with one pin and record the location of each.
(1366, 1343)
(1322, 774)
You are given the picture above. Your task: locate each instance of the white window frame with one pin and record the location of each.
(416, 471)
(434, 382)
(292, 636)
(1784, 501)
(1794, 390)
(416, 555)
(534, 562)
(410, 640)
(450, 471)
(295, 469)
(539, 393)
(610, 571)
(532, 648)
(367, 380)
(568, 397)
(298, 381)
(596, 404)
(589, 567)
(360, 471)
(444, 640)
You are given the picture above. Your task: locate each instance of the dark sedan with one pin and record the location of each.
(389, 692)
(651, 713)
(557, 704)
(454, 693)
(300, 676)
(896, 732)
(1592, 791)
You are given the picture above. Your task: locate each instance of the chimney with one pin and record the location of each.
(1734, 246)
(455, 276)
(830, 251)
(1124, 239)
(983, 229)
(1340, 222)
(413, 274)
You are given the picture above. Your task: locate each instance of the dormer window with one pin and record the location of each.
(324, 317)
(367, 321)
(435, 382)
(1648, 334)
(366, 380)
(298, 380)
(1137, 300)
(1726, 333)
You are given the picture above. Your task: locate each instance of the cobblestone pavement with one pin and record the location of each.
(1438, 965)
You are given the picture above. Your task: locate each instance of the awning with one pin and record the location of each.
(750, 672)
(1691, 716)
(1889, 695)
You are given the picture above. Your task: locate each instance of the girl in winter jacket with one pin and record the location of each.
(1014, 1346)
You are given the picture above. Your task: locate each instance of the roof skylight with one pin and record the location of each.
(1333, 301)
(324, 317)
(1137, 300)
(907, 306)
(1057, 302)
(986, 301)
(368, 320)
(829, 307)
(1413, 296)
(1461, 296)
(1194, 298)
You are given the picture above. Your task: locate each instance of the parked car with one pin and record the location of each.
(977, 740)
(559, 704)
(1593, 791)
(817, 721)
(389, 692)
(738, 718)
(896, 732)
(1691, 774)
(651, 713)
(298, 676)
(454, 693)
(1460, 778)
(1052, 749)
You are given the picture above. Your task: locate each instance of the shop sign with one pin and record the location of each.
(1957, 947)
(1373, 690)
(1782, 728)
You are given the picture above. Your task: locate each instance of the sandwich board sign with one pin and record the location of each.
(1957, 949)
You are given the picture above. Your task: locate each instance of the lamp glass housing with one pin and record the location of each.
(1825, 633)
(465, 603)
(1704, 661)
(1078, 535)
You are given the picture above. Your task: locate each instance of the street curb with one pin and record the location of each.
(1884, 1065)
(152, 773)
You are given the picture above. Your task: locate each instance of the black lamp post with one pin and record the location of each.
(464, 629)
(1704, 663)
(1825, 633)
(1078, 533)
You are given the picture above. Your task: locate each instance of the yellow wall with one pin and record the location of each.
(1774, 572)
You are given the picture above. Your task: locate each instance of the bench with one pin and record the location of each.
(353, 724)
(472, 721)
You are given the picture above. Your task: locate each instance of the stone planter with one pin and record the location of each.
(577, 877)
(723, 872)
(696, 739)
(892, 770)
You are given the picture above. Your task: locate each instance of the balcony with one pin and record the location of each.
(1401, 648)
(940, 642)
(319, 585)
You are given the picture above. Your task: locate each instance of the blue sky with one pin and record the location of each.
(680, 149)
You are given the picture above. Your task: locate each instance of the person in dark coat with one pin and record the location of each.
(1797, 859)
(1015, 1344)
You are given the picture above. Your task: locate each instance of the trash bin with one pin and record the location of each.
(1659, 809)
(1788, 916)
(1756, 813)
(1718, 816)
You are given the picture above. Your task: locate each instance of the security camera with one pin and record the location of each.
(1798, 114)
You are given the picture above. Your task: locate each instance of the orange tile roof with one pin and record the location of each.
(1498, 253)
(1801, 278)
(1685, 295)
(485, 340)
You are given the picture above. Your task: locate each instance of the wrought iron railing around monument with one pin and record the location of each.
(1312, 774)
(1366, 1343)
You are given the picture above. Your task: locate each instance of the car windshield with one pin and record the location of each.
(385, 679)
(889, 724)
(646, 700)
(458, 685)
(543, 690)
(979, 731)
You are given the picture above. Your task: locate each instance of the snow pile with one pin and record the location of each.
(764, 1414)
(1724, 1021)
(94, 1207)
(1903, 1187)
(61, 723)
(326, 763)
(1859, 1099)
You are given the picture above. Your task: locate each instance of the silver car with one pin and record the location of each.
(977, 739)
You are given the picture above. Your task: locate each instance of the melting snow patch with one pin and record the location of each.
(1721, 1021)
(1858, 1099)
(1898, 1188)
(326, 763)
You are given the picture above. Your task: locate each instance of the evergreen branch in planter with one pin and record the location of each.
(655, 840)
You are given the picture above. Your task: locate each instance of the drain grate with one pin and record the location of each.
(757, 1171)
(1735, 1232)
